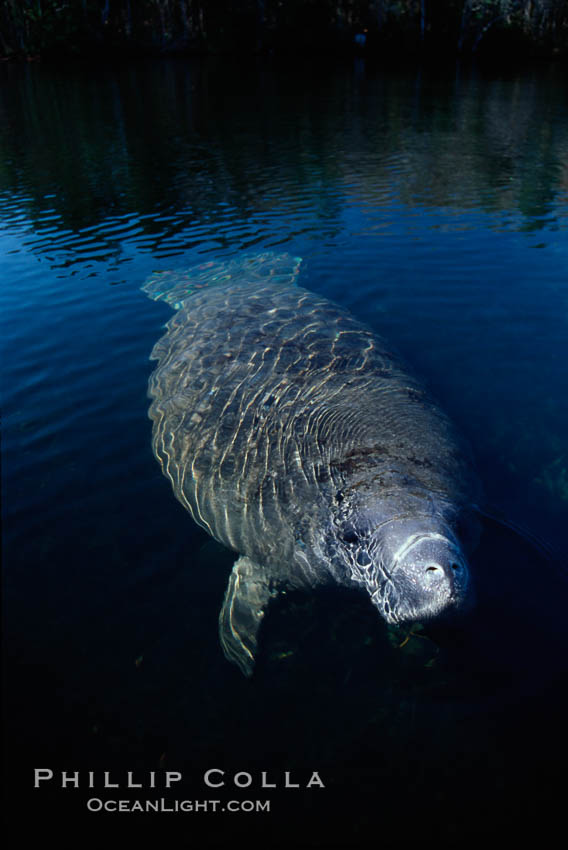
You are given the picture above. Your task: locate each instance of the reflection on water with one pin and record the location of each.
(435, 208)
(429, 191)
(231, 157)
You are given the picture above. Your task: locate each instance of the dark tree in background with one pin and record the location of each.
(52, 28)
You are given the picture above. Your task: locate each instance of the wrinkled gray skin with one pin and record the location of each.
(294, 436)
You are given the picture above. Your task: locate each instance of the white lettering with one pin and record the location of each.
(132, 784)
(315, 780)
(208, 781)
(244, 783)
(70, 779)
(287, 783)
(38, 777)
(108, 783)
(172, 776)
(266, 783)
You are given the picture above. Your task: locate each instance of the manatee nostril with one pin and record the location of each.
(436, 568)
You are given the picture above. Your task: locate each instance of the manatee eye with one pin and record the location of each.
(350, 536)
(363, 559)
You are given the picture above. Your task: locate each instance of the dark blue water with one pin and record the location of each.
(433, 207)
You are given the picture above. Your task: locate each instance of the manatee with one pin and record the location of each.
(297, 437)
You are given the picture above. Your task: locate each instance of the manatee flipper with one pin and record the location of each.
(248, 593)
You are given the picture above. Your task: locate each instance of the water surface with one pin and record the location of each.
(436, 209)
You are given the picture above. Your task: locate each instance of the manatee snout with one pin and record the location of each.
(429, 579)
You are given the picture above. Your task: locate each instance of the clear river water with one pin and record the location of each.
(433, 206)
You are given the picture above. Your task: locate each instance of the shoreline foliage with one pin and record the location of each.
(87, 29)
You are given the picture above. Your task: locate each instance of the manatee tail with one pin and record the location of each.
(178, 284)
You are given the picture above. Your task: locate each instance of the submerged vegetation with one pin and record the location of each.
(62, 28)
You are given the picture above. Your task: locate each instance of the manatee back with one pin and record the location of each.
(268, 399)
